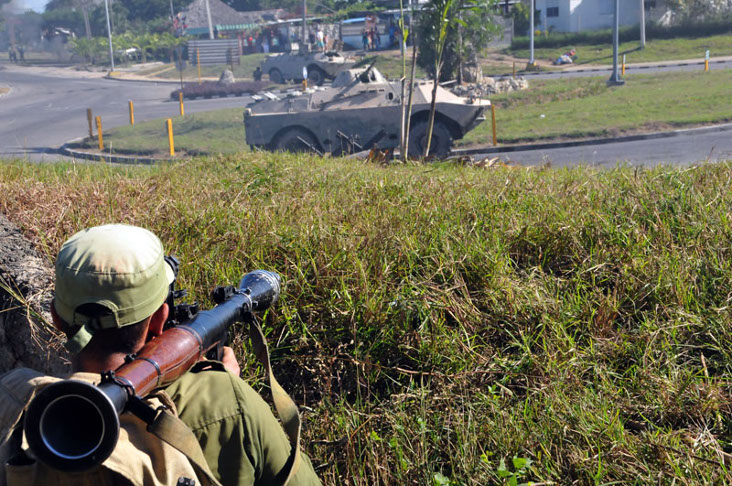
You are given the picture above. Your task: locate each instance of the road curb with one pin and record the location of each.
(117, 159)
(161, 81)
(593, 141)
(628, 67)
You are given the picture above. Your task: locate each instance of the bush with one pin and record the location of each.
(210, 89)
(628, 34)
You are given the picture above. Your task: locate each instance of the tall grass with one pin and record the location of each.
(447, 325)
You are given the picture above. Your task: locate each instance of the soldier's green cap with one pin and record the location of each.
(119, 267)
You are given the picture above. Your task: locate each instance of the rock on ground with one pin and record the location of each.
(489, 86)
(26, 282)
(227, 77)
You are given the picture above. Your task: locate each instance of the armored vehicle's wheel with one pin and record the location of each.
(275, 76)
(441, 140)
(296, 140)
(316, 76)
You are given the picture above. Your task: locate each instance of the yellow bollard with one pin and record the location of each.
(198, 62)
(493, 119)
(623, 68)
(132, 112)
(304, 84)
(99, 132)
(180, 98)
(169, 125)
(706, 65)
(89, 118)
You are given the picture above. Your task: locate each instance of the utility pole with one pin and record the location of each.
(642, 24)
(615, 79)
(532, 62)
(303, 39)
(109, 35)
(172, 12)
(210, 24)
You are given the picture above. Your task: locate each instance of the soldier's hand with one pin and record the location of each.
(230, 362)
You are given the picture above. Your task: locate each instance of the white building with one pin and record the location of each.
(579, 15)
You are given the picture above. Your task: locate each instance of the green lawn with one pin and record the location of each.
(586, 107)
(212, 132)
(571, 108)
(453, 325)
(655, 51)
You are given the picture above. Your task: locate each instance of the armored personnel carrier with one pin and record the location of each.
(320, 66)
(360, 111)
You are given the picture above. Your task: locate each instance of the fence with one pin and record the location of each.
(211, 52)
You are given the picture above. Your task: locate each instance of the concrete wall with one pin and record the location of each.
(26, 283)
(579, 15)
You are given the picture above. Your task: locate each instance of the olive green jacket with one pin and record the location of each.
(242, 441)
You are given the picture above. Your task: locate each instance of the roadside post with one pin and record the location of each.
(615, 79)
(514, 69)
(169, 126)
(99, 132)
(89, 119)
(180, 63)
(132, 112)
(706, 61)
(180, 99)
(198, 63)
(493, 120)
(623, 70)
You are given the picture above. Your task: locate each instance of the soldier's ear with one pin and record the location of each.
(58, 323)
(157, 321)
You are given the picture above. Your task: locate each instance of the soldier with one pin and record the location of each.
(111, 287)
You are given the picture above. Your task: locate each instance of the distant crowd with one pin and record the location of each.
(16, 55)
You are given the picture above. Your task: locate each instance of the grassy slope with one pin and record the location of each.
(656, 50)
(442, 320)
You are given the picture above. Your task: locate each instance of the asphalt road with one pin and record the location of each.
(689, 147)
(42, 112)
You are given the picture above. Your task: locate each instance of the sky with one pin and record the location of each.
(37, 5)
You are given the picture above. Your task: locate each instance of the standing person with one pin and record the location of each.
(11, 54)
(365, 40)
(377, 38)
(112, 283)
(321, 39)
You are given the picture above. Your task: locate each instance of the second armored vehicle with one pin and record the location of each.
(360, 111)
(320, 66)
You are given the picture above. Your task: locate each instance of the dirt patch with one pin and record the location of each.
(26, 282)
